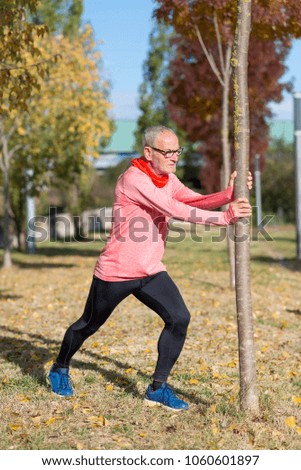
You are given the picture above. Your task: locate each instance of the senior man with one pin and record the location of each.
(147, 195)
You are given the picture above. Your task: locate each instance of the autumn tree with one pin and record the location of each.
(204, 31)
(20, 69)
(153, 90)
(199, 96)
(18, 79)
(61, 16)
(60, 133)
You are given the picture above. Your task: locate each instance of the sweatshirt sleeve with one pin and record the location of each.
(194, 199)
(142, 191)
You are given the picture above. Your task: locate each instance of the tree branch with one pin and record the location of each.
(5, 66)
(219, 43)
(209, 56)
(14, 149)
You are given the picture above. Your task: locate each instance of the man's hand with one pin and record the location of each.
(241, 207)
(249, 180)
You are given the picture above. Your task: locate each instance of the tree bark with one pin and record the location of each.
(227, 158)
(7, 262)
(247, 365)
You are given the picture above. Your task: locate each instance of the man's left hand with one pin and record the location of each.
(249, 180)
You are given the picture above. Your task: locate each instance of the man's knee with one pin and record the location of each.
(181, 322)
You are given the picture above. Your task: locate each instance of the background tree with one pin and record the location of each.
(153, 91)
(199, 84)
(59, 134)
(278, 181)
(18, 79)
(61, 16)
(154, 95)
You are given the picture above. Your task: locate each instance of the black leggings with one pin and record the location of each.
(157, 292)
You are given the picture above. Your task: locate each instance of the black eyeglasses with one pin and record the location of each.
(168, 153)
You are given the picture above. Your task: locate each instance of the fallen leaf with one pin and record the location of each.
(50, 420)
(15, 426)
(193, 381)
(296, 400)
(290, 421)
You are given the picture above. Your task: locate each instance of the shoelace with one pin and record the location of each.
(66, 381)
(168, 392)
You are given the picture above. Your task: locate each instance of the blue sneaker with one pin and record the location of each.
(60, 382)
(165, 397)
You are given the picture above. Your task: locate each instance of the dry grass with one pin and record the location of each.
(42, 294)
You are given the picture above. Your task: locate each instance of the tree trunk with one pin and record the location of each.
(226, 158)
(248, 385)
(7, 262)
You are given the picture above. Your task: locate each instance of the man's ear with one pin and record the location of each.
(147, 152)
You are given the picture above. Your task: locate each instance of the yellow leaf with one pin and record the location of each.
(296, 399)
(23, 399)
(95, 344)
(193, 381)
(142, 434)
(290, 421)
(232, 364)
(15, 427)
(110, 387)
(50, 421)
(216, 375)
(298, 430)
(98, 421)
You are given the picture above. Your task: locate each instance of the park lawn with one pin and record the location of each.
(43, 293)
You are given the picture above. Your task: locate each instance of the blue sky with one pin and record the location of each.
(124, 26)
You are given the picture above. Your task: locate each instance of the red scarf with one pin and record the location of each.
(158, 181)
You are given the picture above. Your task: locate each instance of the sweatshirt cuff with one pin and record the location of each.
(230, 217)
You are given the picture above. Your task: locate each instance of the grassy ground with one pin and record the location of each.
(42, 294)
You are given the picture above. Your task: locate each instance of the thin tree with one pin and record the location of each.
(223, 74)
(248, 385)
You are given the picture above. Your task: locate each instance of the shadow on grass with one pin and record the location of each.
(86, 249)
(31, 357)
(292, 264)
(295, 311)
(8, 296)
(25, 265)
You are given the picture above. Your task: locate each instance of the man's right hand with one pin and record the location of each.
(241, 207)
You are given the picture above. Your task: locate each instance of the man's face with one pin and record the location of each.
(161, 164)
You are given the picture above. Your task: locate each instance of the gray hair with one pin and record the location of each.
(151, 134)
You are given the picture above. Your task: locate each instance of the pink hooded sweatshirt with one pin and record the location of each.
(141, 213)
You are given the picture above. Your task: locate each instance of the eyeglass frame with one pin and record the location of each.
(165, 152)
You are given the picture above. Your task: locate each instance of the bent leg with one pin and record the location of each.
(102, 299)
(162, 295)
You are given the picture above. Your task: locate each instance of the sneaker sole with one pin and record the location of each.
(57, 394)
(153, 404)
